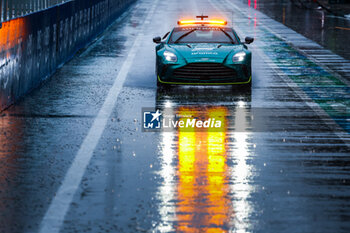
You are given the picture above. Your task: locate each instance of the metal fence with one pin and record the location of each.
(10, 9)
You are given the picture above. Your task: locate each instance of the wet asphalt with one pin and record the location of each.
(329, 30)
(281, 164)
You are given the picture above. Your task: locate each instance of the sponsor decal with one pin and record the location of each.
(202, 49)
(203, 53)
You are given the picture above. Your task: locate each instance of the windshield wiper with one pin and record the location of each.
(228, 35)
(184, 35)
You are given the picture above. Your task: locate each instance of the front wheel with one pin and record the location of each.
(159, 84)
(246, 86)
(162, 85)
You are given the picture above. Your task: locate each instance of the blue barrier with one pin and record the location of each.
(32, 47)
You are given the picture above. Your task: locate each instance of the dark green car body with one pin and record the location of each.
(203, 63)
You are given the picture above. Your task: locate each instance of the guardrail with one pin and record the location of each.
(34, 45)
(10, 9)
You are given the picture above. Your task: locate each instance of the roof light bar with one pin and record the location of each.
(207, 22)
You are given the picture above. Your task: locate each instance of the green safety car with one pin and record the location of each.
(203, 52)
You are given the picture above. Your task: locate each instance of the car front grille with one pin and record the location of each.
(205, 72)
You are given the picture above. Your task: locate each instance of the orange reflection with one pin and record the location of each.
(11, 32)
(202, 190)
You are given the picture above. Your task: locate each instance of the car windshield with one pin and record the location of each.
(203, 35)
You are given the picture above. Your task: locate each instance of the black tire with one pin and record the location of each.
(162, 85)
(159, 84)
(246, 86)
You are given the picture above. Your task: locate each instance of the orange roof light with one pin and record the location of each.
(217, 22)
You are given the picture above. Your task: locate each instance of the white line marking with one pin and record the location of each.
(55, 215)
(288, 38)
(336, 129)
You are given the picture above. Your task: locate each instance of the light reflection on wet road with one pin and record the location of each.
(279, 164)
(202, 189)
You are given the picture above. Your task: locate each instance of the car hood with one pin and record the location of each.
(205, 52)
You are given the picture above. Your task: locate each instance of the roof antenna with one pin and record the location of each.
(202, 17)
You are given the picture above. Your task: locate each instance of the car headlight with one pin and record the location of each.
(169, 56)
(238, 57)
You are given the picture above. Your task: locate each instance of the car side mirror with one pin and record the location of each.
(157, 39)
(249, 40)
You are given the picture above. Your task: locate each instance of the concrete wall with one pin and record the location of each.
(32, 47)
